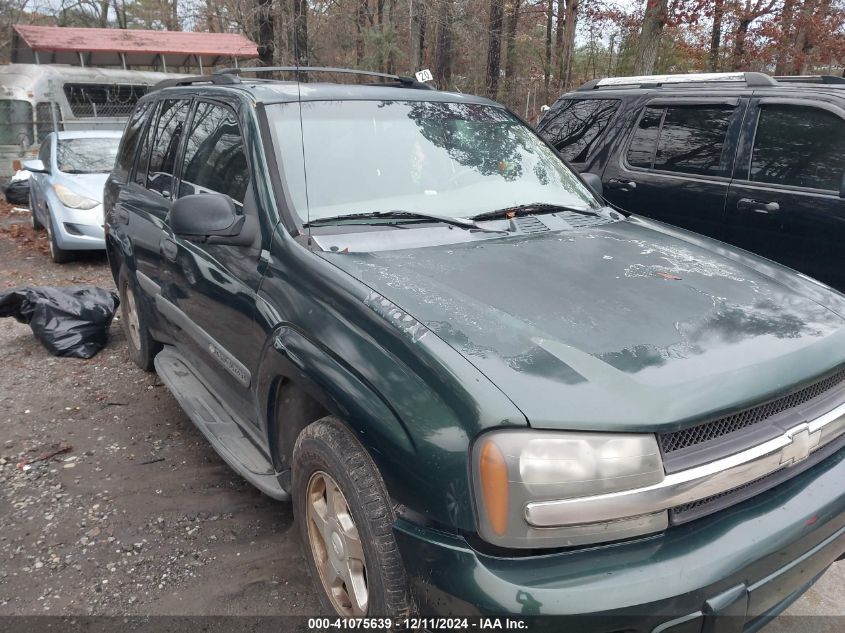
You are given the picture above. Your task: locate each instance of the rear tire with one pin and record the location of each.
(345, 519)
(57, 253)
(36, 225)
(142, 346)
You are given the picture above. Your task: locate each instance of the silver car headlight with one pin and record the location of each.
(516, 469)
(72, 199)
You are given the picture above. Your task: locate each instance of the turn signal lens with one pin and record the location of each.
(494, 486)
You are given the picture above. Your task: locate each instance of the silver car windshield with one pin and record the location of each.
(443, 159)
(86, 155)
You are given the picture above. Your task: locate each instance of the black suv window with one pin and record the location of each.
(131, 138)
(171, 122)
(800, 146)
(576, 124)
(214, 154)
(688, 139)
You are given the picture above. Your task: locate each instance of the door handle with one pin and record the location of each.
(621, 185)
(168, 248)
(758, 206)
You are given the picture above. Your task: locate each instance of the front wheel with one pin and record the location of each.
(345, 520)
(36, 225)
(57, 253)
(142, 346)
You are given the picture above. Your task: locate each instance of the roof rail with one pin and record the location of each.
(750, 79)
(812, 79)
(405, 82)
(196, 79)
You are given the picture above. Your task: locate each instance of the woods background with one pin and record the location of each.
(521, 52)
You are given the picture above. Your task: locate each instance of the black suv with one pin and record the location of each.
(483, 390)
(746, 158)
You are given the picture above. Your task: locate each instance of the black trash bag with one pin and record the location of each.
(17, 192)
(68, 321)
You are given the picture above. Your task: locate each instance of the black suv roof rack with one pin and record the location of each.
(231, 76)
(750, 79)
(195, 79)
(832, 80)
(405, 82)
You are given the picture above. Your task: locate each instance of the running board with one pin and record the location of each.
(217, 424)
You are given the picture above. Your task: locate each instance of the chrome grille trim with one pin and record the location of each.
(694, 484)
(716, 429)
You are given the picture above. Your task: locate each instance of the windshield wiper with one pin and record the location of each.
(465, 223)
(530, 208)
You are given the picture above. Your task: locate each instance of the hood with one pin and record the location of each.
(88, 185)
(614, 327)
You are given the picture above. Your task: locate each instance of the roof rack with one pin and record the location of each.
(196, 79)
(750, 79)
(812, 79)
(405, 82)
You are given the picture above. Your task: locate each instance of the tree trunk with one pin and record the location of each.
(264, 36)
(739, 43)
(299, 41)
(510, 48)
(494, 47)
(787, 21)
(417, 34)
(559, 28)
(569, 40)
(360, 31)
(804, 43)
(716, 35)
(547, 60)
(649, 43)
(444, 54)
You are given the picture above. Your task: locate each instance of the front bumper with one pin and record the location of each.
(78, 229)
(732, 569)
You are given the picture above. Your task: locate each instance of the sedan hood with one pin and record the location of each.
(88, 185)
(615, 327)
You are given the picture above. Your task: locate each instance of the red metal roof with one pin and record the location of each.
(135, 42)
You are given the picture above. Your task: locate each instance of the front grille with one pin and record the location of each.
(716, 429)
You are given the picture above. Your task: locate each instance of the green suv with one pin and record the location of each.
(483, 390)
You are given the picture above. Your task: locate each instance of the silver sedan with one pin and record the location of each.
(66, 189)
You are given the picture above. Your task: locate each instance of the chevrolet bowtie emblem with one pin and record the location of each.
(799, 448)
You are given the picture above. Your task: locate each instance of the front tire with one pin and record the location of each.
(57, 253)
(345, 519)
(142, 346)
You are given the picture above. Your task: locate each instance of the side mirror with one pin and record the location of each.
(210, 217)
(35, 166)
(593, 181)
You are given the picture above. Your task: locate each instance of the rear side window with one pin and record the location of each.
(165, 147)
(575, 126)
(214, 154)
(799, 146)
(130, 140)
(690, 139)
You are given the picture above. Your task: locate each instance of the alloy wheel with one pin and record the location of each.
(336, 546)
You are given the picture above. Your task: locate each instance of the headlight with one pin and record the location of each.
(514, 470)
(72, 199)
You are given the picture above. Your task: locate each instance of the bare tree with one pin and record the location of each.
(568, 46)
(299, 24)
(264, 33)
(746, 14)
(512, 16)
(444, 53)
(649, 42)
(716, 35)
(494, 47)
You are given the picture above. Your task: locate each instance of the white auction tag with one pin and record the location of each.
(424, 75)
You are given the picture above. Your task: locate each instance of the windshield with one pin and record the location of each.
(87, 155)
(446, 159)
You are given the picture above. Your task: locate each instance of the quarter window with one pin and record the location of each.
(690, 139)
(131, 138)
(576, 125)
(214, 154)
(799, 146)
(165, 149)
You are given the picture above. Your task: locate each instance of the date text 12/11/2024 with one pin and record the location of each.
(419, 623)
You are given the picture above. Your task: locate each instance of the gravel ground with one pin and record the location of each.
(142, 517)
